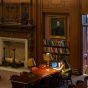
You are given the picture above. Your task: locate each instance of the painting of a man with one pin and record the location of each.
(58, 27)
(58, 30)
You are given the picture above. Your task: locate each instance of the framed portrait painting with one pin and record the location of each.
(58, 27)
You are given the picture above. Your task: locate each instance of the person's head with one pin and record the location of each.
(64, 61)
(58, 23)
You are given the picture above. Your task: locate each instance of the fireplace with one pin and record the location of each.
(9, 46)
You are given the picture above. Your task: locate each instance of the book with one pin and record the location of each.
(47, 42)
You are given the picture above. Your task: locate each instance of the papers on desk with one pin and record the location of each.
(57, 68)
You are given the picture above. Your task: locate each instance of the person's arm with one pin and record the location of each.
(62, 66)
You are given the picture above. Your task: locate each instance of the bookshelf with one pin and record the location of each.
(57, 48)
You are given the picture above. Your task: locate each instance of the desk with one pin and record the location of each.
(25, 80)
(44, 72)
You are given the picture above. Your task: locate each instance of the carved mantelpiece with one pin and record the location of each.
(16, 27)
(16, 13)
(21, 34)
(16, 22)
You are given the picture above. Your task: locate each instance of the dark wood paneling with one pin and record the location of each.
(11, 34)
(84, 6)
(71, 7)
(39, 35)
(34, 22)
(56, 4)
(75, 35)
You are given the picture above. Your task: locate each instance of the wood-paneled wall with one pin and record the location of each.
(15, 1)
(84, 6)
(73, 8)
(58, 4)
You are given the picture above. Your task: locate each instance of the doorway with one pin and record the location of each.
(85, 41)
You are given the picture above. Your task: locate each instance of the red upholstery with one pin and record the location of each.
(24, 73)
(80, 84)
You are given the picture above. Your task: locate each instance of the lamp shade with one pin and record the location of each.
(47, 57)
(31, 62)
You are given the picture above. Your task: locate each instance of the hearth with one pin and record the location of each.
(13, 51)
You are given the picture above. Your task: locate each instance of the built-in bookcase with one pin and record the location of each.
(57, 48)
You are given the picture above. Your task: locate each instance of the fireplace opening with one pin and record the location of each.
(14, 52)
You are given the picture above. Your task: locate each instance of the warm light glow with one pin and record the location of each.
(47, 56)
(30, 62)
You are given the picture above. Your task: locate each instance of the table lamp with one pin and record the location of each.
(48, 57)
(30, 64)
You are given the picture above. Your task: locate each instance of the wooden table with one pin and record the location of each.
(38, 74)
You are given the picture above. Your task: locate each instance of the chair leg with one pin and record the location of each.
(67, 82)
(71, 81)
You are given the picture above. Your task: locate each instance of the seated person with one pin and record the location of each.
(64, 68)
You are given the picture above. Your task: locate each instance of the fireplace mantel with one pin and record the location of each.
(14, 26)
(9, 44)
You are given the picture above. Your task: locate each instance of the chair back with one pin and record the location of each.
(71, 86)
(13, 76)
(15, 84)
(69, 73)
(80, 84)
(66, 79)
(86, 79)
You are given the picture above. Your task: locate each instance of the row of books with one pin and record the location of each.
(57, 57)
(56, 43)
(56, 50)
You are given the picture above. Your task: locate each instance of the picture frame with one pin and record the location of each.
(58, 27)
